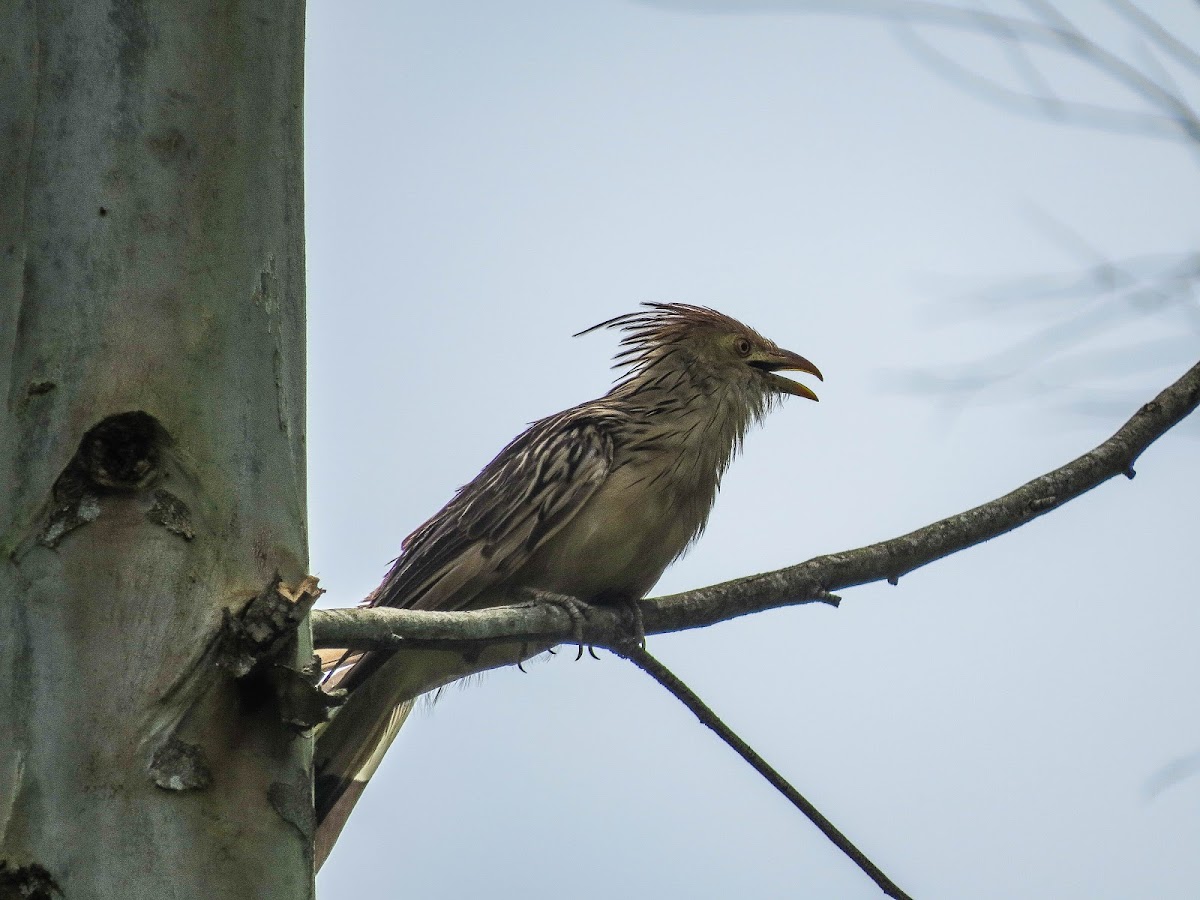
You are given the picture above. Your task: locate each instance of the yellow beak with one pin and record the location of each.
(787, 361)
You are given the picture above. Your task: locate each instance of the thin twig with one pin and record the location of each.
(685, 695)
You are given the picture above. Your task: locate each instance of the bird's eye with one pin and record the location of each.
(742, 346)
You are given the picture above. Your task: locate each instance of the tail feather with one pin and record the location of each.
(341, 781)
(382, 688)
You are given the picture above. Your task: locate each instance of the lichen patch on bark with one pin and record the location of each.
(179, 766)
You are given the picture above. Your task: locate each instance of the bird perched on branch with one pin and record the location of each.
(592, 503)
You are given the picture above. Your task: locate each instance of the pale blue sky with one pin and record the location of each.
(484, 179)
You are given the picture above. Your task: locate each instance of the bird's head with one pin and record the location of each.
(667, 338)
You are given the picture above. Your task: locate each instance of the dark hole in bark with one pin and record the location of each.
(120, 453)
(30, 882)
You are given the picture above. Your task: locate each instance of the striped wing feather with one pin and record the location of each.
(494, 523)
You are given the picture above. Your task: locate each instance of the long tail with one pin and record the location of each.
(346, 761)
(382, 687)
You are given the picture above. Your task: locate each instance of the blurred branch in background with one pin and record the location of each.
(1171, 774)
(1165, 110)
(1089, 305)
(1159, 107)
(1037, 62)
(1108, 293)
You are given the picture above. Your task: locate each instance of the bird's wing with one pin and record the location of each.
(496, 522)
(493, 524)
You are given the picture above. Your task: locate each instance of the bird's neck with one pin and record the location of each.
(690, 420)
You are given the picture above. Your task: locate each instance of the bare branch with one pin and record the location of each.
(811, 581)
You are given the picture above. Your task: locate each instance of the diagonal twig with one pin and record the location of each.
(685, 695)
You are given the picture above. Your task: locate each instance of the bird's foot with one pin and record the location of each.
(637, 625)
(628, 607)
(575, 609)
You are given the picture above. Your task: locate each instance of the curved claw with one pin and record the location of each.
(573, 607)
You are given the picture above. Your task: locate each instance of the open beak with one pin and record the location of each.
(787, 361)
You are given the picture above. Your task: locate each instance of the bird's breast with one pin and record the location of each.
(627, 533)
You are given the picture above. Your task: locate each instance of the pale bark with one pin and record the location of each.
(151, 444)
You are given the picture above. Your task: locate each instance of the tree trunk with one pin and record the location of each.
(151, 444)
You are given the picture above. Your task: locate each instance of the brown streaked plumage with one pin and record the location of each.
(593, 503)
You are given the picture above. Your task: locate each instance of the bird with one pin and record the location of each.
(592, 503)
